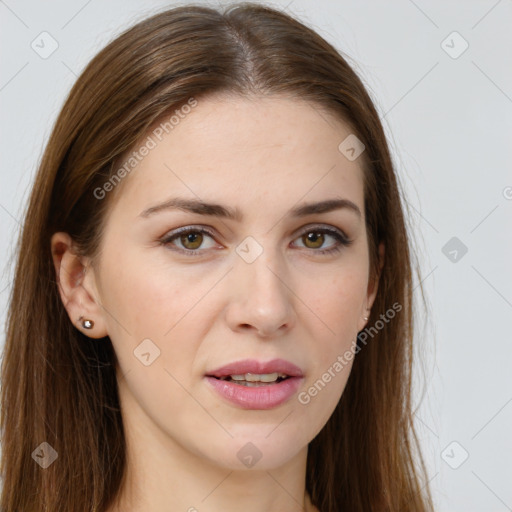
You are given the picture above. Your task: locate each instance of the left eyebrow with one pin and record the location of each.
(328, 205)
(218, 210)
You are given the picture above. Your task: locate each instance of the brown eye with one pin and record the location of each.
(192, 240)
(189, 241)
(313, 239)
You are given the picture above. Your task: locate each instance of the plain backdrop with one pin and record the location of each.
(440, 73)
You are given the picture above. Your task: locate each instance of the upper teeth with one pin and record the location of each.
(255, 377)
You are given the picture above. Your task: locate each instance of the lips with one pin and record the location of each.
(246, 390)
(279, 366)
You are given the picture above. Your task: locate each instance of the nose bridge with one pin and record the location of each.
(262, 298)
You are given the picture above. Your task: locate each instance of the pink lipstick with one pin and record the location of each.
(252, 384)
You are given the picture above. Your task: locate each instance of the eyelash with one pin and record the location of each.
(342, 240)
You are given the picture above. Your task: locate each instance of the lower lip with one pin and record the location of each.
(258, 397)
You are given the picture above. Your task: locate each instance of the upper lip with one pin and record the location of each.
(257, 367)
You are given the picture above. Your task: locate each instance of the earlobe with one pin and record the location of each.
(75, 287)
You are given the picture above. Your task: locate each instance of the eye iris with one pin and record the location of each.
(194, 238)
(316, 238)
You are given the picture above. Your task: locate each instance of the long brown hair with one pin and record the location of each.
(59, 386)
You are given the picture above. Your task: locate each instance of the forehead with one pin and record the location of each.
(244, 150)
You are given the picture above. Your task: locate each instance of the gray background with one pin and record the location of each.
(448, 116)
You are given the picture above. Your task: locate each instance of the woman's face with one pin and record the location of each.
(268, 283)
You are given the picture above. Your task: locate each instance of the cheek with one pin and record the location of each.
(160, 304)
(337, 306)
(337, 302)
(144, 304)
(148, 300)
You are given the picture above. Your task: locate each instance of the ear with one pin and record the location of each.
(373, 286)
(77, 287)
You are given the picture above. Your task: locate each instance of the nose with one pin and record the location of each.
(261, 298)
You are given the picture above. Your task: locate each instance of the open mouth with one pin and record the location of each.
(257, 391)
(254, 380)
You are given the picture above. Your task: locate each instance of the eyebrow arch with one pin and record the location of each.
(217, 210)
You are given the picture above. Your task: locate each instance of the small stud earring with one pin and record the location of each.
(86, 323)
(365, 318)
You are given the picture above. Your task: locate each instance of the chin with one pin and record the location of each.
(260, 451)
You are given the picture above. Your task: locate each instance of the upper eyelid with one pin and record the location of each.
(211, 232)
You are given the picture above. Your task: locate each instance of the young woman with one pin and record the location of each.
(212, 305)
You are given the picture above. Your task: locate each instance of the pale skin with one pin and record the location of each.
(264, 157)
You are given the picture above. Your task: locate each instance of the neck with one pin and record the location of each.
(206, 487)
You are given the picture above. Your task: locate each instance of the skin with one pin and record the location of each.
(264, 156)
